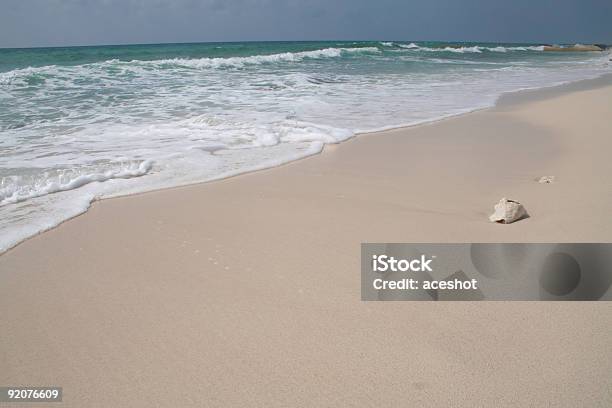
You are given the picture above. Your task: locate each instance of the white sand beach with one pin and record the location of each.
(245, 291)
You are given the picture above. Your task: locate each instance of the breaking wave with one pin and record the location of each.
(474, 49)
(409, 46)
(10, 77)
(238, 62)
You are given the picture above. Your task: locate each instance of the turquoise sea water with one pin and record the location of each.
(80, 123)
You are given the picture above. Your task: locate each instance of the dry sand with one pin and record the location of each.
(245, 292)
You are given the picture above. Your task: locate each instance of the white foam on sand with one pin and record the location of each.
(16, 189)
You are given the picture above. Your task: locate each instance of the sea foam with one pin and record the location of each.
(18, 188)
(141, 118)
(261, 59)
(471, 49)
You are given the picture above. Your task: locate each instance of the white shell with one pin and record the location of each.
(546, 179)
(508, 211)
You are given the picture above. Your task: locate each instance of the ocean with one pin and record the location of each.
(83, 123)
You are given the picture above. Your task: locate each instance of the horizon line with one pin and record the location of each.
(289, 41)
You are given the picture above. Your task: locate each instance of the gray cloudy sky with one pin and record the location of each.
(27, 23)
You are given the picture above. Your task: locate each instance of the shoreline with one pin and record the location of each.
(179, 297)
(504, 100)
